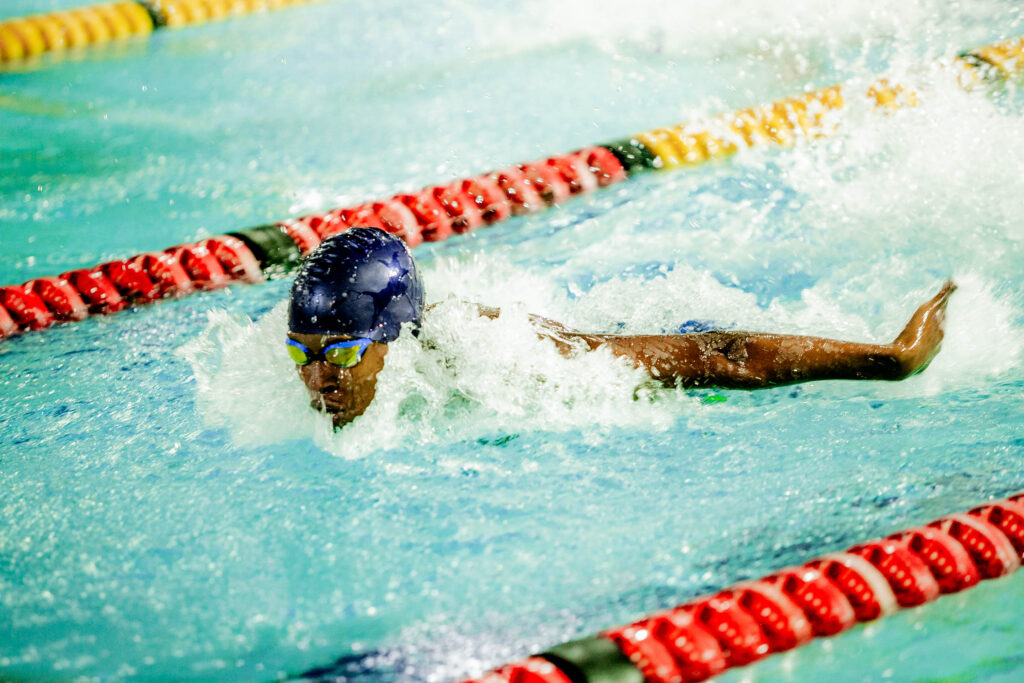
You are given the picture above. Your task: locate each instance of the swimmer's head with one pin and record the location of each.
(351, 297)
(360, 283)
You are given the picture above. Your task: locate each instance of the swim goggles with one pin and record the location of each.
(343, 354)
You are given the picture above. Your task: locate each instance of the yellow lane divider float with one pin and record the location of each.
(779, 123)
(784, 121)
(34, 35)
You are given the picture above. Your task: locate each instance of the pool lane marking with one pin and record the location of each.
(437, 212)
(27, 37)
(750, 620)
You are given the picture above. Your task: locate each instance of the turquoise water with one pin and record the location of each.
(171, 510)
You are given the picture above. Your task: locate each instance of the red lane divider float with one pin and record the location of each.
(533, 670)
(828, 595)
(436, 213)
(25, 308)
(433, 214)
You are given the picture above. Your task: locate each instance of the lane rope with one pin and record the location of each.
(436, 213)
(750, 620)
(27, 37)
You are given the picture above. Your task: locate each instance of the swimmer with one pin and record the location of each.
(354, 293)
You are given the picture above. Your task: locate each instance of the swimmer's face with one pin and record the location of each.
(345, 393)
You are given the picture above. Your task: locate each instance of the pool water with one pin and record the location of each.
(172, 510)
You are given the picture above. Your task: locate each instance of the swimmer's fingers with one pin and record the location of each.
(941, 299)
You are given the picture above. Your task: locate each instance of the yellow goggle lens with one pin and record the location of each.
(297, 355)
(343, 357)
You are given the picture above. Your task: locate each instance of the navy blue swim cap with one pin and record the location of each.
(362, 283)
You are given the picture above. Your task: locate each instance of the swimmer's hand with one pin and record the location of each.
(921, 339)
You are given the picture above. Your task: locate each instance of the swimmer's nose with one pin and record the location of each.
(322, 377)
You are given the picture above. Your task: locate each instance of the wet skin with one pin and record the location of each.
(345, 393)
(732, 359)
(755, 360)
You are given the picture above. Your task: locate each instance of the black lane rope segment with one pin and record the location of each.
(593, 660)
(158, 18)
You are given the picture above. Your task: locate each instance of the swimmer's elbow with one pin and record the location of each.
(892, 366)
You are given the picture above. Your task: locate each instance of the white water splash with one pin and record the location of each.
(468, 376)
(694, 27)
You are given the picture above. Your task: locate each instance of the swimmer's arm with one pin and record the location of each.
(750, 360)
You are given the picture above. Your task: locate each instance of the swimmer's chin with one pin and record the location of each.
(341, 413)
(339, 416)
